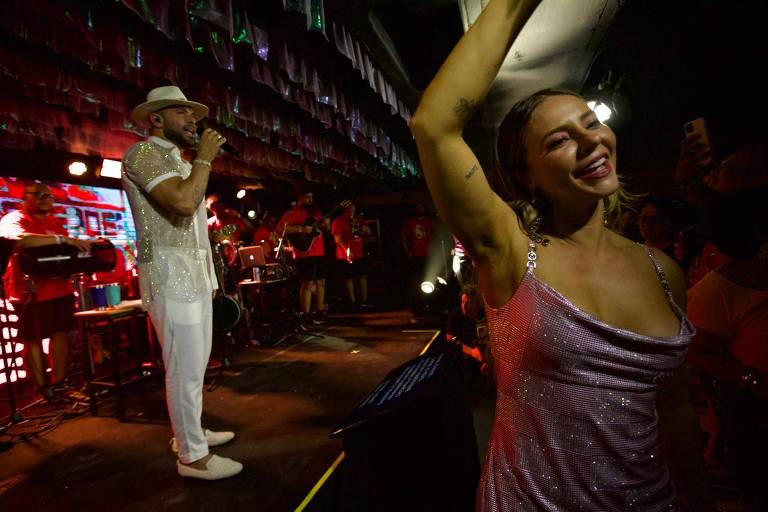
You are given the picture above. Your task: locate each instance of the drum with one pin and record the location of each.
(60, 261)
(226, 312)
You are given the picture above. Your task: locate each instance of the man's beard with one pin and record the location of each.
(178, 138)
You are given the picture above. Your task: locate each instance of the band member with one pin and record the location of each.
(45, 306)
(224, 216)
(265, 234)
(218, 224)
(308, 261)
(176, 274)
(348, 233)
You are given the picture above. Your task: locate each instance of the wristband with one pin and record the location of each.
(201, 162)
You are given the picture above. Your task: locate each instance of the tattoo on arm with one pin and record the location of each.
(471, 172)
(198, 192)
(464, 108)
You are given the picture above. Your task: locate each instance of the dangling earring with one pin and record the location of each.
(533, 232)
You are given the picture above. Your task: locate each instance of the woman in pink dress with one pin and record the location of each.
(584, 323)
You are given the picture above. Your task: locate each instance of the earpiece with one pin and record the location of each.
(156, 118)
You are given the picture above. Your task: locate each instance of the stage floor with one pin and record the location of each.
(282, 409)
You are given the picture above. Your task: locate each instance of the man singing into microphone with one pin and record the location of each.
(176, 274)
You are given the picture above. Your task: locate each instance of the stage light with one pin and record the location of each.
(601, 110)
(442, 281)
(78, 168)
(427, 287)
(251, 214)
(456, 263)
(241, 193)
(111, 169)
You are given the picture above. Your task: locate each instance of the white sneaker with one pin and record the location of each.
(217, 468)
(218, 438)
(211, 437)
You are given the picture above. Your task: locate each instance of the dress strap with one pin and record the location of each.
(531, 263)
(660, 273)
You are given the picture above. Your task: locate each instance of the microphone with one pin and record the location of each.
(229, 148)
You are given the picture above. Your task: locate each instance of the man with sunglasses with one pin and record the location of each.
(45, 306)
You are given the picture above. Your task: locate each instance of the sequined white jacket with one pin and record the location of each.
(174, 255)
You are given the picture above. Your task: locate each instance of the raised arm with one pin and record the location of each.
(183, 196)
(473, 212)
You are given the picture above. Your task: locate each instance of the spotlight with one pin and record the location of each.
(240, 193)
(111, 169)
(427, 287)
(78, 168)
(442, 281)
(602, 111)
(456, 263)
(251, 214)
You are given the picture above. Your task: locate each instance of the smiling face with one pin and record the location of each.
(177, 124)
(570, 154)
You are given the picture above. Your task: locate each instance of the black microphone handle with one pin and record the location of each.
(229, 148)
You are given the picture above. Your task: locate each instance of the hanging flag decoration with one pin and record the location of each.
(315, 16)
(321, 128)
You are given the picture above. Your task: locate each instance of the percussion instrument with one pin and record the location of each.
(227, 307)
(60, 261)
(226, 312)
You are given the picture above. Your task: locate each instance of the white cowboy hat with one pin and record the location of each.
(164, 97)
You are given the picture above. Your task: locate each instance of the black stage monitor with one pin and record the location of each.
(410, 444)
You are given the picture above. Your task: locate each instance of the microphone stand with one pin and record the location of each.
(295, 325)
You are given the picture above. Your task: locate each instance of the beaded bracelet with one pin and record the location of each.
(201, 162)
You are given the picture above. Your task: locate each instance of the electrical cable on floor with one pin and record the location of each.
(37, 427)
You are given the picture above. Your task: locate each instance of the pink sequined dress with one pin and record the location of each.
(576, 421)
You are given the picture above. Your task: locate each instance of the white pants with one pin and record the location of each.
(185, 330)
